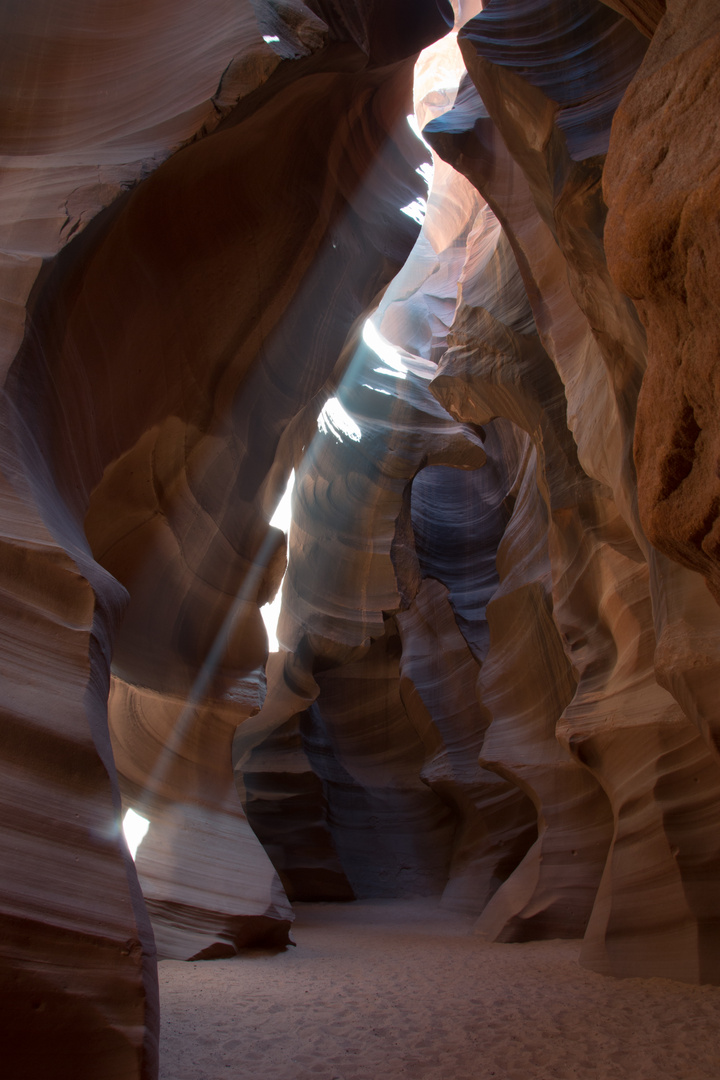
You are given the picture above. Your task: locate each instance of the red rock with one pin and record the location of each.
(497, 682)
(661, 251)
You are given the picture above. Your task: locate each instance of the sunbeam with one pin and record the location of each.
(135, 828)
(246, 595)
(280, 520)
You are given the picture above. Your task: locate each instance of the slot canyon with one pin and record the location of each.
(440, 278)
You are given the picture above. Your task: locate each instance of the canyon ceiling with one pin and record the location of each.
(498, 679)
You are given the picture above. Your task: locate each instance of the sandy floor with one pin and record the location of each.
(390, 989)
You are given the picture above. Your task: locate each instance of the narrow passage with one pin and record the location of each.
(382, 989)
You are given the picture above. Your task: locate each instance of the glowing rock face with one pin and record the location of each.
(490, 685)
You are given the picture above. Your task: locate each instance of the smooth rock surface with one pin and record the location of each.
(490, 360)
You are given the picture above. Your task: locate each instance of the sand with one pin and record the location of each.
(386, 989)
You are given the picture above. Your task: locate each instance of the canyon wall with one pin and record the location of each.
(499, 639)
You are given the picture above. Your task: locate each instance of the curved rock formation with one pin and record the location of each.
(661, 247)
(498, 663)
(122, 412)
(593, 552)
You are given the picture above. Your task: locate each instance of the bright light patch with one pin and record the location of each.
(334, 420)
(135, 827)
(281, 520)
(426, 170)
(283, 514)
(412, 121)
(415, 210)
(269, 38)
(385, 351)
(438, 72)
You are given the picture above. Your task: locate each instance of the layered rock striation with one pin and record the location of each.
(499, 662)
(135, 474)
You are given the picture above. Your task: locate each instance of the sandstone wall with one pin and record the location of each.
(499, 660)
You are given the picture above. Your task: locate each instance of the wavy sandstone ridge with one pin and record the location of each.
(499, 661)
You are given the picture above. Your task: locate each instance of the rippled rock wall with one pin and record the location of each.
(499, 661)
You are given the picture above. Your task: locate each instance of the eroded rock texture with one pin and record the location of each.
(498, 670)
(661, 242)
(135, 474)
